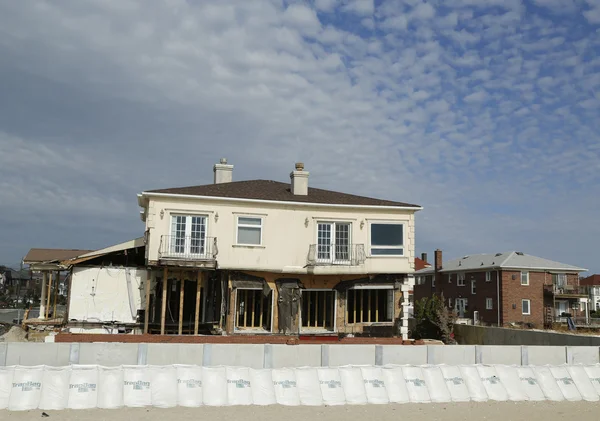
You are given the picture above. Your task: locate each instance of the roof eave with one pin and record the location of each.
(414, 208)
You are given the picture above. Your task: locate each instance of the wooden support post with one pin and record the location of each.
(181, 297)
(197, 309)
(355, 305)
(308, 309)
(316, 308)
(324, 309)
(163, 312)
(377, 305)
(147, 308)
(262, 309)
(55, 293)
(43, 295)
(49, 295)
(253, 295)
(369, 307)
(245, 308)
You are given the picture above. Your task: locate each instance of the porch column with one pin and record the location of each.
(181, 300)
(56, 286)
(163, 313)
(43, 295)
(49, 295)
(147, 309)
(197, 310)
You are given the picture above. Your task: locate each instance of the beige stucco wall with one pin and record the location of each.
(286, 236)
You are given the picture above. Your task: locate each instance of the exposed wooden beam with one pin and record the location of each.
(163, 312)
(49, 295)
(198, 294)
(147, 309)
(181, 297)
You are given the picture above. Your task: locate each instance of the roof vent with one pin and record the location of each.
(519, 253)
(498, 254)
(465, 257)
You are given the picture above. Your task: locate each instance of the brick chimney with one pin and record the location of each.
(299, 180)
(424, 257)
(223, 172)
(438, 260)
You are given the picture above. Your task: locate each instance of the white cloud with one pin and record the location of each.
(478, 96)
(326, 5)
(302, 17)
(359, 7)
(423, 11)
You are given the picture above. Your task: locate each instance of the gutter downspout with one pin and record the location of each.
(498, 294)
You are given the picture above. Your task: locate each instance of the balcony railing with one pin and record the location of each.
(567, 289)
(336, 254)
(188, 248)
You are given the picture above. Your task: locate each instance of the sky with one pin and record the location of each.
(484, 112)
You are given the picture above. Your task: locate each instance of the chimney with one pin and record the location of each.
(299, 177)
(223, 172)
(424, 257)
(438, 260)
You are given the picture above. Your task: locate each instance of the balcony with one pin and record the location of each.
(567, 291)
(336, 255)
(193, 251)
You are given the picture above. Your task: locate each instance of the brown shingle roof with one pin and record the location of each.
(276, 191)
(52, 255)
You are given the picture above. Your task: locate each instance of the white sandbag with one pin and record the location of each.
(6, 381)
(110, 387)
(436, 384)
(474, 383)
(263, 391)
(492, 383)
(593, 372)
(395, 384)
(509, 377)
(83, 387)
(374, 385)
(55, 388)
(163, 386)
(26, 388)
(286, 390)
(239, 386)
(583, 383)
(214, 386)
(530, 384)
(309, 388)
(455, 383)
(565, 383)
(416, 384)
(331, 386)
(189, 385)
(547, 383)
(137, 386)
(353, 385)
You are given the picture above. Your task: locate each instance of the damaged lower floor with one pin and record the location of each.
(186, 301)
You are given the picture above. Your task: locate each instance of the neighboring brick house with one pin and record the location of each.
(593, 280)
(593, 283)
(506, 288)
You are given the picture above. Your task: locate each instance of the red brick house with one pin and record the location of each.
(506, 288)
(590, 281)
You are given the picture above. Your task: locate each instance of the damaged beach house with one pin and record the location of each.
(256, 256)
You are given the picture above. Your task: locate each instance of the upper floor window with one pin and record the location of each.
(559, 279)
(188, 234)
(249, 231)
(488, 276)
(473, 286)
(460, 279)
(432, 280)
(524, 278)
(387, 239)
(333, 241)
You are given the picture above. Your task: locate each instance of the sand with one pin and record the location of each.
(488, 411)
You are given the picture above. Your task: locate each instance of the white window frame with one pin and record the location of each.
(335, 305)
(238, 225)
(432, 281)
(462, 300)
(488, 276)
(187, 236)
(332, 249)
(528, 301)
(526, 277)
(251, 330)
(489, 303)
(473, 287)
(391, 247)
(460, 279)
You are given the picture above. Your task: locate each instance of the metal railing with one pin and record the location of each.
(336, 254)
(579, 320)
(567, 289)
(188, 248)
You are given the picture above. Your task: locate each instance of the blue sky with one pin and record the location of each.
(482, 111)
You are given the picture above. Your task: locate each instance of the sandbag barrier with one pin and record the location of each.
(89, 386)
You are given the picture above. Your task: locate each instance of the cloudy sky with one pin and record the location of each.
(482, 111)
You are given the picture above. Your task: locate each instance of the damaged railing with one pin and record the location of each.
(188, 247)
(336, 254)
(565, 289)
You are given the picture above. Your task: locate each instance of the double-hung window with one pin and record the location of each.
(333, 242)
(524, 278)
(489, 304)
(387, 239)
(188, 235)
(249, 231)
(488, 276)
(460, 279)
(526, 307)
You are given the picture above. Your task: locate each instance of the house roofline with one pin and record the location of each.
(280, 202)
(496, 267)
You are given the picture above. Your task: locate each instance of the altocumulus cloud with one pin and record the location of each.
(483, 111)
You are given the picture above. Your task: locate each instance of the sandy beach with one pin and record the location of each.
(488, 411)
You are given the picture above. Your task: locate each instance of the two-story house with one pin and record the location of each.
(263, 256)
(506, 288)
